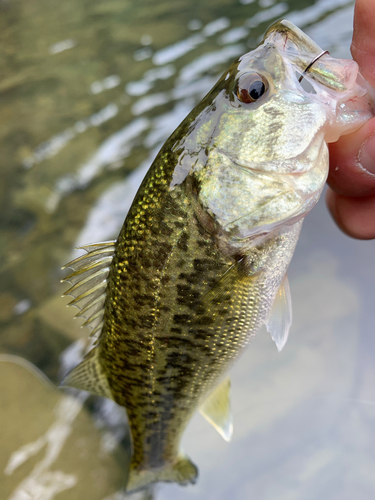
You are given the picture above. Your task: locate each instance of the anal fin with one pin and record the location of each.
(89, 376)
(216, 410)
(280, 318)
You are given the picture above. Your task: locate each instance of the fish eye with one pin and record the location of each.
(251, 87)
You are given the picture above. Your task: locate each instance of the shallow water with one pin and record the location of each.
(88, 93)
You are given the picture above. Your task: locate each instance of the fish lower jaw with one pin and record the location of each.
(351, 113)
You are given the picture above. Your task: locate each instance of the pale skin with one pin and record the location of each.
(351, 196)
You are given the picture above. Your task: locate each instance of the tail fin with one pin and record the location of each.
(183, 472)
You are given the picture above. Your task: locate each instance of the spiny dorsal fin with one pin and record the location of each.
(216, 410)
(280, 318)
(89, 283)
(89, 376)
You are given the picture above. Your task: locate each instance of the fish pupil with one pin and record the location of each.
(251, 87)
(256, 89)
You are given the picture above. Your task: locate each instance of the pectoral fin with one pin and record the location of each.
(216, 410)
(280, 317)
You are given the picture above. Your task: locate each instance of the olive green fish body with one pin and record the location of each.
(163, 262)
(179, 311)
(200, 263)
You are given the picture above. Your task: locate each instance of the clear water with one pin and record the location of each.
(88, 93)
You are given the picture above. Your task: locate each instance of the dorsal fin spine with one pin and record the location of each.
(83, 259)
(98, 245)
(83, 311)
(97, 329)
(92, 264)
(92, 318)
(88, 294)
(90, 277)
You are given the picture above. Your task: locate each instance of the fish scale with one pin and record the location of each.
(177, 268)
(178, 367)
(200, 262)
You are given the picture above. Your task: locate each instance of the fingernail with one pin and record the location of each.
(367, 155)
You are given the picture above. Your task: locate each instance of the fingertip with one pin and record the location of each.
(347, 176)
(331, 201)
(354, 216)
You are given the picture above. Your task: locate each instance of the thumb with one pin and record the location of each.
(363, 44)
(352, 158)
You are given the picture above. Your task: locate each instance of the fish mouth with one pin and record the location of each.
(348, 98)
(310, 59)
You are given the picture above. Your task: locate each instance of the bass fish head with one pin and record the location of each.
(258, 141)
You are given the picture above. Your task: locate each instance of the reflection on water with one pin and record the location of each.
(89, 93)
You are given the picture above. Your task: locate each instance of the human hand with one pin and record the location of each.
(351, 196)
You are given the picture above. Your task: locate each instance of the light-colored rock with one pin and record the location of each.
(50, 447)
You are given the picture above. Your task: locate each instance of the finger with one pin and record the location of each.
(354, 216)
(363, 44)
(352, 162)
(352, 158)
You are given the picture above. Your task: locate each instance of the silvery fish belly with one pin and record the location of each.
(200, 263)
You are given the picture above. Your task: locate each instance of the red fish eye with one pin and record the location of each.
(251, 87)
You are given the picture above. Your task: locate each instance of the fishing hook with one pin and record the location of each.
(312, 62)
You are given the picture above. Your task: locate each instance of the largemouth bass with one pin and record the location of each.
(200, 262)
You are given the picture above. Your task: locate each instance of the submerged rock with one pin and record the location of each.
(50, 446)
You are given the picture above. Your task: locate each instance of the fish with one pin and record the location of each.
(201, 260)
